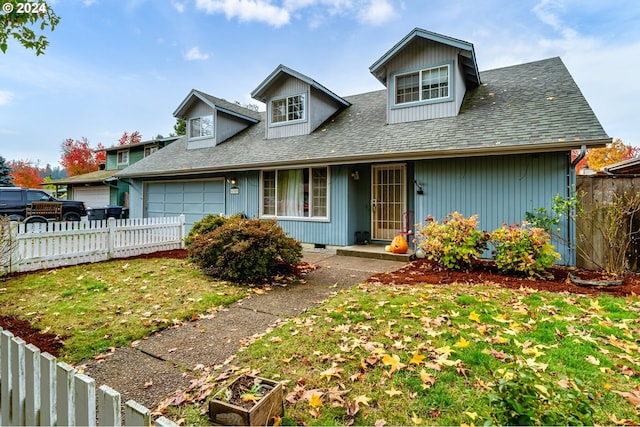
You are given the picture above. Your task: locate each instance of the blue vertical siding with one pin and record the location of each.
(500, 189)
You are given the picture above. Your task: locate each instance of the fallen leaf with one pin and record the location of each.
(393, 392)
(363, 400)
(633, 398)
(592, 360)
(315, 400)
(148, 384)
(250, 397)
(416, 359)
(474, 317)
(462, 343)
(416, 420)
(393, 361)
(333, 371)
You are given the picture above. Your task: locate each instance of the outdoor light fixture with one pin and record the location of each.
(355, 175)
(420, 190)
(232, 181)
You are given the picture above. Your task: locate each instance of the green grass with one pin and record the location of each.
(468, 339)
(111, 304)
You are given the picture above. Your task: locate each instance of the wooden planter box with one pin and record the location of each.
(260, 414)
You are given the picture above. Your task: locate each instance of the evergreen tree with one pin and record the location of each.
(6, 180)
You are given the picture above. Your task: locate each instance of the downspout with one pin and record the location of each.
(571, 182)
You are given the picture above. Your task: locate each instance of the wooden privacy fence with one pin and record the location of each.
(56, 244)
(35, 390)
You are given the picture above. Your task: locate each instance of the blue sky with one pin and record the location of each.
(125, 65)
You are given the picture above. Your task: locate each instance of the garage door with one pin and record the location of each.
(93, 197)
(194, 199)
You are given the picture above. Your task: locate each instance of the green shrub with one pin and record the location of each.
(205, 225)
(523, 249)
(244, 250)
(522, 399)
(455, 243)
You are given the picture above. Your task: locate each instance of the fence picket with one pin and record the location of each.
(65, 395)
(136, 415)
(48, 398)
(85, 400)
(109, 407)
(32, 390)
(17, 381)
(5, 386)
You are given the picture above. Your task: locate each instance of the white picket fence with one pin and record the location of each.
(35, 390)
(57, 244)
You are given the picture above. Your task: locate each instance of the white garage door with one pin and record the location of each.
(93, 197)
(194, 199)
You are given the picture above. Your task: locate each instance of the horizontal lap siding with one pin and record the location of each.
(499, 189)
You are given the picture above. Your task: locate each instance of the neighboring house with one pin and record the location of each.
(99, 189)
(441, 137)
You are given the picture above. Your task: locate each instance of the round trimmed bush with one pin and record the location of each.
(245, 250)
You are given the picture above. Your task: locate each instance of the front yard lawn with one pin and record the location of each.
(97, 306)
(457, 354)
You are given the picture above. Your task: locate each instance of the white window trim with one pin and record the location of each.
(421, 101)
(287, 121)
(326, 218)
(195, 138)
(118, 157)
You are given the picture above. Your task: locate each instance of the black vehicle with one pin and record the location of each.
(14, 202)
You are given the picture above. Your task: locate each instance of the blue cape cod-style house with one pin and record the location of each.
(440, 137)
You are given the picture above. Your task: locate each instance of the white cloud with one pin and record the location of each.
(179, 6)
(194, 54)
(376, 12)
(365, 11)
(87, 3)
(247, 10)
(6, 97)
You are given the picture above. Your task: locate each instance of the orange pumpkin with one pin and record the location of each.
(399, 245)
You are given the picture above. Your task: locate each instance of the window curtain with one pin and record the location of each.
(291, 192)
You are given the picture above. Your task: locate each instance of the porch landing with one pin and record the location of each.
(374, 252)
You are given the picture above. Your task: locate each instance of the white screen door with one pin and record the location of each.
(388, 193)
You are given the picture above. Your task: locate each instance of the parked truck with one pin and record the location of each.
(31, 205)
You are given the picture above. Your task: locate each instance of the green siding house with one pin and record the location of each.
(99, 189)
(440, 136)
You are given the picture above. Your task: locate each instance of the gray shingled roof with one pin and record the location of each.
(527, 108)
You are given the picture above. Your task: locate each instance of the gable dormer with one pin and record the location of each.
(211, 120)
(427, 76)
(296, 104)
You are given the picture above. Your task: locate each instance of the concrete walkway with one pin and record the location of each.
(169, 360)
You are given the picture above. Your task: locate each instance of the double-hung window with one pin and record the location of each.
(288, 109)
(201, 127)
(150, 149)
(295, 193)
(123, 157)
(423, 85)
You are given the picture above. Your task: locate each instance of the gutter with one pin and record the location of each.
(583, 152)
(369, 158)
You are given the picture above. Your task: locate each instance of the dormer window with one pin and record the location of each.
(201, 127)
(288, 109)
(423, 85)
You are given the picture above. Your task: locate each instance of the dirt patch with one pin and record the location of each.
(424, 271)
(49, 343)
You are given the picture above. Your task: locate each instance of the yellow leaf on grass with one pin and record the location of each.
(416, 359)
(393, 361)
(416, 420)
(393, 392)
(363, 400)
(472, 415)
(333, 371)
(474, 317)
(462, 343)
(427, 379)
(591, 359)
(315, 400)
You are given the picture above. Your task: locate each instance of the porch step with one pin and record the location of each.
(373, 252)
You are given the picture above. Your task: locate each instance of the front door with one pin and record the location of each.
(389, 201)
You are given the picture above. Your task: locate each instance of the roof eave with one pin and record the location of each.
(544, 147)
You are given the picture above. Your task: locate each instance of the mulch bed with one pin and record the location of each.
(418, 271)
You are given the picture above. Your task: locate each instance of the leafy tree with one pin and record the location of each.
(21, 19)
(77, 157)
(6, 180)
(127, 139)
(180, 128)
(617, 151)
(25, 174)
